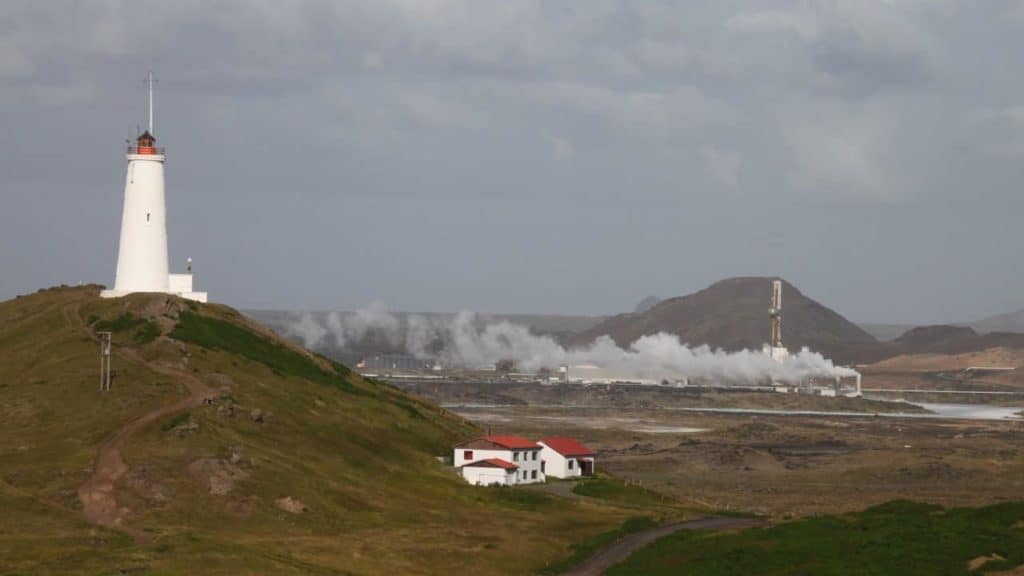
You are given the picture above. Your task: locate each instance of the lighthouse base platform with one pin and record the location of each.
(178, 284)
(196, 296)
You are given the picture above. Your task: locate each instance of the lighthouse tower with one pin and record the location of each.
(142, 256)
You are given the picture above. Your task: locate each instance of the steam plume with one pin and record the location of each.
(466, 341)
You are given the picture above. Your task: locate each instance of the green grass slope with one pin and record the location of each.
(208, 485)
(904, 538)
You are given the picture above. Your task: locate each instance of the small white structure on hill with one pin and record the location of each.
(504, 460)
(142, 255)
(565, 458)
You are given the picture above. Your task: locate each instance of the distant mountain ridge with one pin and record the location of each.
(646, 304)
(1008, 322)
(946, 339)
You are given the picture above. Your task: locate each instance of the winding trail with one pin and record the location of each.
(623, 547)
(98, 493)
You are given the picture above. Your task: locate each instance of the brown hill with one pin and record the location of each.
(936, 338)
(938, 362)
(733, 314)
(945, 339)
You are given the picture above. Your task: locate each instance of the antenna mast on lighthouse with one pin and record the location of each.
(150, 81)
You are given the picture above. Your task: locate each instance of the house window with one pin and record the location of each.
(534, 475)
(535, 455)
(571, 463)
(515, 456)
(467, 454)
(542, 462)
(147, 216)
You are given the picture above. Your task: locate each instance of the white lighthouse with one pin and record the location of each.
(142, 255)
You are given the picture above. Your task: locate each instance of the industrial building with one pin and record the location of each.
(591, 374)
(396, 362)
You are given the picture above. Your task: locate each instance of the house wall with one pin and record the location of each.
(554, 463)
(529, 464)
(488, 476)
(459, 459)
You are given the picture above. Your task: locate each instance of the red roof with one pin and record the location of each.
(513, 442)
(492, 463)
(567, 446)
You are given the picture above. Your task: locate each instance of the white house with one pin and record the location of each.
(506, 460)
(565, 458)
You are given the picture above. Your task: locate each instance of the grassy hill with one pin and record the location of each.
(223, 449)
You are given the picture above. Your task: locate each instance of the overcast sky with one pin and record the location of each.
(559, 157)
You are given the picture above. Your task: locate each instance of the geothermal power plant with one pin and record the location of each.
(470, 348)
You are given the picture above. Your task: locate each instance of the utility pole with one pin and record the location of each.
(105, 345)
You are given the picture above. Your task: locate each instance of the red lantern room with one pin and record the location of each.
(145, 143)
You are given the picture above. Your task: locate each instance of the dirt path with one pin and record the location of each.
(622, 548)
(98, 493)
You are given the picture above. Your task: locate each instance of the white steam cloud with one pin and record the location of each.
(346, 328)
(467, 341)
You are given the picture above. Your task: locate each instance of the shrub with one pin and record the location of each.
(147, 332)
(123, 322)
(176, 421)
(144, 331)
(217, 334)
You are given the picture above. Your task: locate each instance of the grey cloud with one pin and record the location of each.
(524, 156)
(855, 70)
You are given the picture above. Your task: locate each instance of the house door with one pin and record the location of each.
(587, 467)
